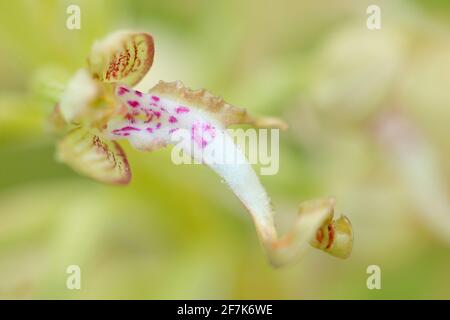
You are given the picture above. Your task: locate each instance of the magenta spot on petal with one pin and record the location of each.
(202, 134)
(150, 130)
(173, 130)
(193, 129)
(157, 114)
(155, 98)
(122, 90)
(138, 93)
(130, 128)
(181, 110)
(158, 125)
(123, 131)
(206, 126)
(172, 119)
(133, 103)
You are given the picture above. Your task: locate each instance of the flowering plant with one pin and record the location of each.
(99, 106)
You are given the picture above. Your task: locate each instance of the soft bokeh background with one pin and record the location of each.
(369, 113)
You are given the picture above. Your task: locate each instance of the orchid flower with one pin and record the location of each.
(99, 107)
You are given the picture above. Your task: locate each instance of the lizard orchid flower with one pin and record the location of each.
(99, 107)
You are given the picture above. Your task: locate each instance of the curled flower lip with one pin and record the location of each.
(100, 106)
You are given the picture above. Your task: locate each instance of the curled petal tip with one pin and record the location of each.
(311, 226)
(343, 244)
(335, 238)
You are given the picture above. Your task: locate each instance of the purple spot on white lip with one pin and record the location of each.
(172, 119)
(138, 93)
(124, 130)
(150, 130)
(158, 125)
(202, 134)
(130, 128)
(155, 98)
(133, 103)
(182, 109)
(122, 90)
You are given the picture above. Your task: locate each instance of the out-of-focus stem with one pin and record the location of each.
(416, 161)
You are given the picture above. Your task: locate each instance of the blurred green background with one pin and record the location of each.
(369, 115)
